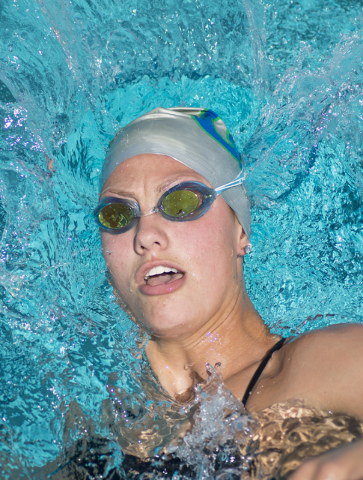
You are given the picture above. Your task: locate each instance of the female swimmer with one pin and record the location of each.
(174, 233)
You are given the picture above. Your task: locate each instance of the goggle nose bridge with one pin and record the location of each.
(149, 212)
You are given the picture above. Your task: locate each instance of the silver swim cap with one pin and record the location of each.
(195, 137)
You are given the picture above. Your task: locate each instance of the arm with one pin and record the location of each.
(343, 463)
(337, 365)
(339, 354)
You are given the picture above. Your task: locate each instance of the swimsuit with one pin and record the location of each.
(260, 369)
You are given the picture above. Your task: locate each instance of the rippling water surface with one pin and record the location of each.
(286, 76)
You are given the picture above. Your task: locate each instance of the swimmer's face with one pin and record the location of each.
(200, 257)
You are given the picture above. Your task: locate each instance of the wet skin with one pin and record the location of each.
(203, 313)
(184, 246)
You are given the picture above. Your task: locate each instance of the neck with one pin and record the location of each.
(237, 340)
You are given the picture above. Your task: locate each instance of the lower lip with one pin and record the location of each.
(162, 289)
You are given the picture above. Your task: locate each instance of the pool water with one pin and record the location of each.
(286, 76)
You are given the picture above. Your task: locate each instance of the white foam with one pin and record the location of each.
(221, 425)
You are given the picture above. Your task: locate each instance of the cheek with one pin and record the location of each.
(212, 245)
(113, 248)
(108, 247)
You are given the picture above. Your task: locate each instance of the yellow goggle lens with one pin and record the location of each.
(180, 203)
(115, 215)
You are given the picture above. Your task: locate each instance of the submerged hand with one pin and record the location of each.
(343, 463)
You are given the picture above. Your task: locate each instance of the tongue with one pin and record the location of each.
(163, 278)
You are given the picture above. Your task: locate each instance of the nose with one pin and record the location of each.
(150, 234)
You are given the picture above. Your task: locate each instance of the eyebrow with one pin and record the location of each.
(121, 193)
(163, 187)
(168, 183)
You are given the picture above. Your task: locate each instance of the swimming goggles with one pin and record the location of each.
(182, 203)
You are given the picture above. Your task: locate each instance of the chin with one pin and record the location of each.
(166, 328)
(169, 324)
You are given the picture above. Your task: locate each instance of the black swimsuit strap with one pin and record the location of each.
(260, 369)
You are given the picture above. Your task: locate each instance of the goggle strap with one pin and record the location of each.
(237, 181)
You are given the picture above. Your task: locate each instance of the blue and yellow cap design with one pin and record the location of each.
(214, 126)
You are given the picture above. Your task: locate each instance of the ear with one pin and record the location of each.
(243, 243)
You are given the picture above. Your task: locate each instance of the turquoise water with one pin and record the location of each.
(286, 76)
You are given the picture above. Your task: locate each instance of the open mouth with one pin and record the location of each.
(162, 275)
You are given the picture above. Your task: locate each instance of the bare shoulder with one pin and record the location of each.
(328, 363)
(345, 339)
(340, 334)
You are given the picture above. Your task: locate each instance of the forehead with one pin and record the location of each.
(151, 168)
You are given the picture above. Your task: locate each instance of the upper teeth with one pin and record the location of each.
(159, 270)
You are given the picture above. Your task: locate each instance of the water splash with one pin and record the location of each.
(221, 429)
(285, 76)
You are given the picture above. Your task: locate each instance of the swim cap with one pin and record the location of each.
(195, 137)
